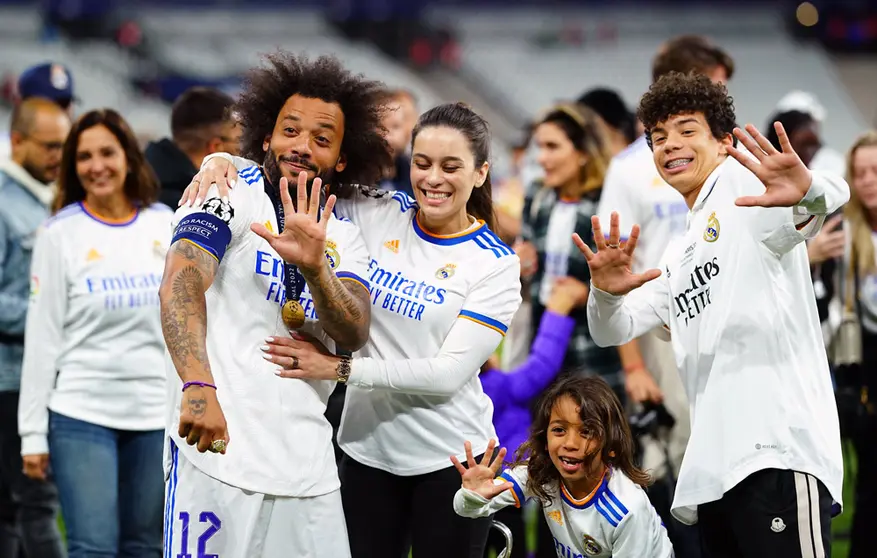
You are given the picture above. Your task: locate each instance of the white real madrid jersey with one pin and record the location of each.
(637, 192)
(440, 305)
(93, 342)
(279, 440)
(615, 520)
(737, 297)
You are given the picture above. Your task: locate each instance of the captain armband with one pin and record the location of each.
(207, 231)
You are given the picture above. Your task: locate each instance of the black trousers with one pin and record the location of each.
(388, 514)
(334, 408)
(28, 508)
(865, 517)
(685, 538)
(770, 514)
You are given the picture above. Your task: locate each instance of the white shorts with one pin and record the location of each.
(206, 518)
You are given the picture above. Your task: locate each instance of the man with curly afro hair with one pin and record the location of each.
(265, 482)
(763, 469)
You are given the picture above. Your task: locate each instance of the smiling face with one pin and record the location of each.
(569, 443)
(561, 162)
(686, 152)
(101, 164)
(307, 138)
(443, 175)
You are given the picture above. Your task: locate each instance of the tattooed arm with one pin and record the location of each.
(342, 306)
(189, 272)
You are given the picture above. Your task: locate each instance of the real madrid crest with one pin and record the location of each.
(591, 546)
(711, 233)
(332, 254)
(445, 272)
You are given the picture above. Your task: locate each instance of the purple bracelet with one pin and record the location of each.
(187, 385)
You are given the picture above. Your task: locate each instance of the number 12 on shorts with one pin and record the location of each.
(214, 524)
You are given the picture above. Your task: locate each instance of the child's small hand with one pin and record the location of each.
(479, 476)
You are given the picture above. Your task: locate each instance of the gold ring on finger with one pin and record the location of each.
(217, 446)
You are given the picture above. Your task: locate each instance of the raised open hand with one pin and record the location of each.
(302, 241)
(479, 477)
(785, 177)
(610, 266)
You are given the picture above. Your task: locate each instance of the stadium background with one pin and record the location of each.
(508, 59)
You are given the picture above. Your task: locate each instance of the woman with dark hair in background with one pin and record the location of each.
(444, 288)
(620, 121)
(92, 386)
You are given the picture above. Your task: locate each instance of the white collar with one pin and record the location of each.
(708, 186)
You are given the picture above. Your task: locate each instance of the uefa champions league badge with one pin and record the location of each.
(332, 254)
(711, 233)
(445, 272)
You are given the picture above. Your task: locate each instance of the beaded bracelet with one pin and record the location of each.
(187, 385)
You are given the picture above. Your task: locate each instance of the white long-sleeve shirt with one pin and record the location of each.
(93, 323)
(615, 521)
(737, 298)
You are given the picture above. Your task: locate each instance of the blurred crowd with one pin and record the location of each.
(575, 160)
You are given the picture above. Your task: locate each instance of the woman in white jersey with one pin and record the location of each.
(92, 386)
(578, 462)
(444, 289)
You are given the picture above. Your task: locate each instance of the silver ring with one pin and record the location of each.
(294, 363)
(613, 246)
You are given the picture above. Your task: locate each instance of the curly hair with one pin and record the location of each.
(677, 93)
(604, 420)
(266, 90)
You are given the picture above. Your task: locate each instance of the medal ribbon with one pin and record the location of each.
(292, 277)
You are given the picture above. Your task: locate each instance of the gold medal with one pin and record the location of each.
(293, 314)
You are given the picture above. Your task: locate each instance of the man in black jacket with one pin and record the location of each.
(201, 123)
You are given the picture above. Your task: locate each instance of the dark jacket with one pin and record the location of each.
(173, 168)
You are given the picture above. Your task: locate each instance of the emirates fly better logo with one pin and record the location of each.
(696, 297)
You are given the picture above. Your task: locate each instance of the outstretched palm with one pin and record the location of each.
(610, 266)
(302, 241)
(785, 177)
(479, 477)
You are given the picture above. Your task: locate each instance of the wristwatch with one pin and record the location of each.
(343, 370)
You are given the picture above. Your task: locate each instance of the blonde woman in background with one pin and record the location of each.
(860, 223)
